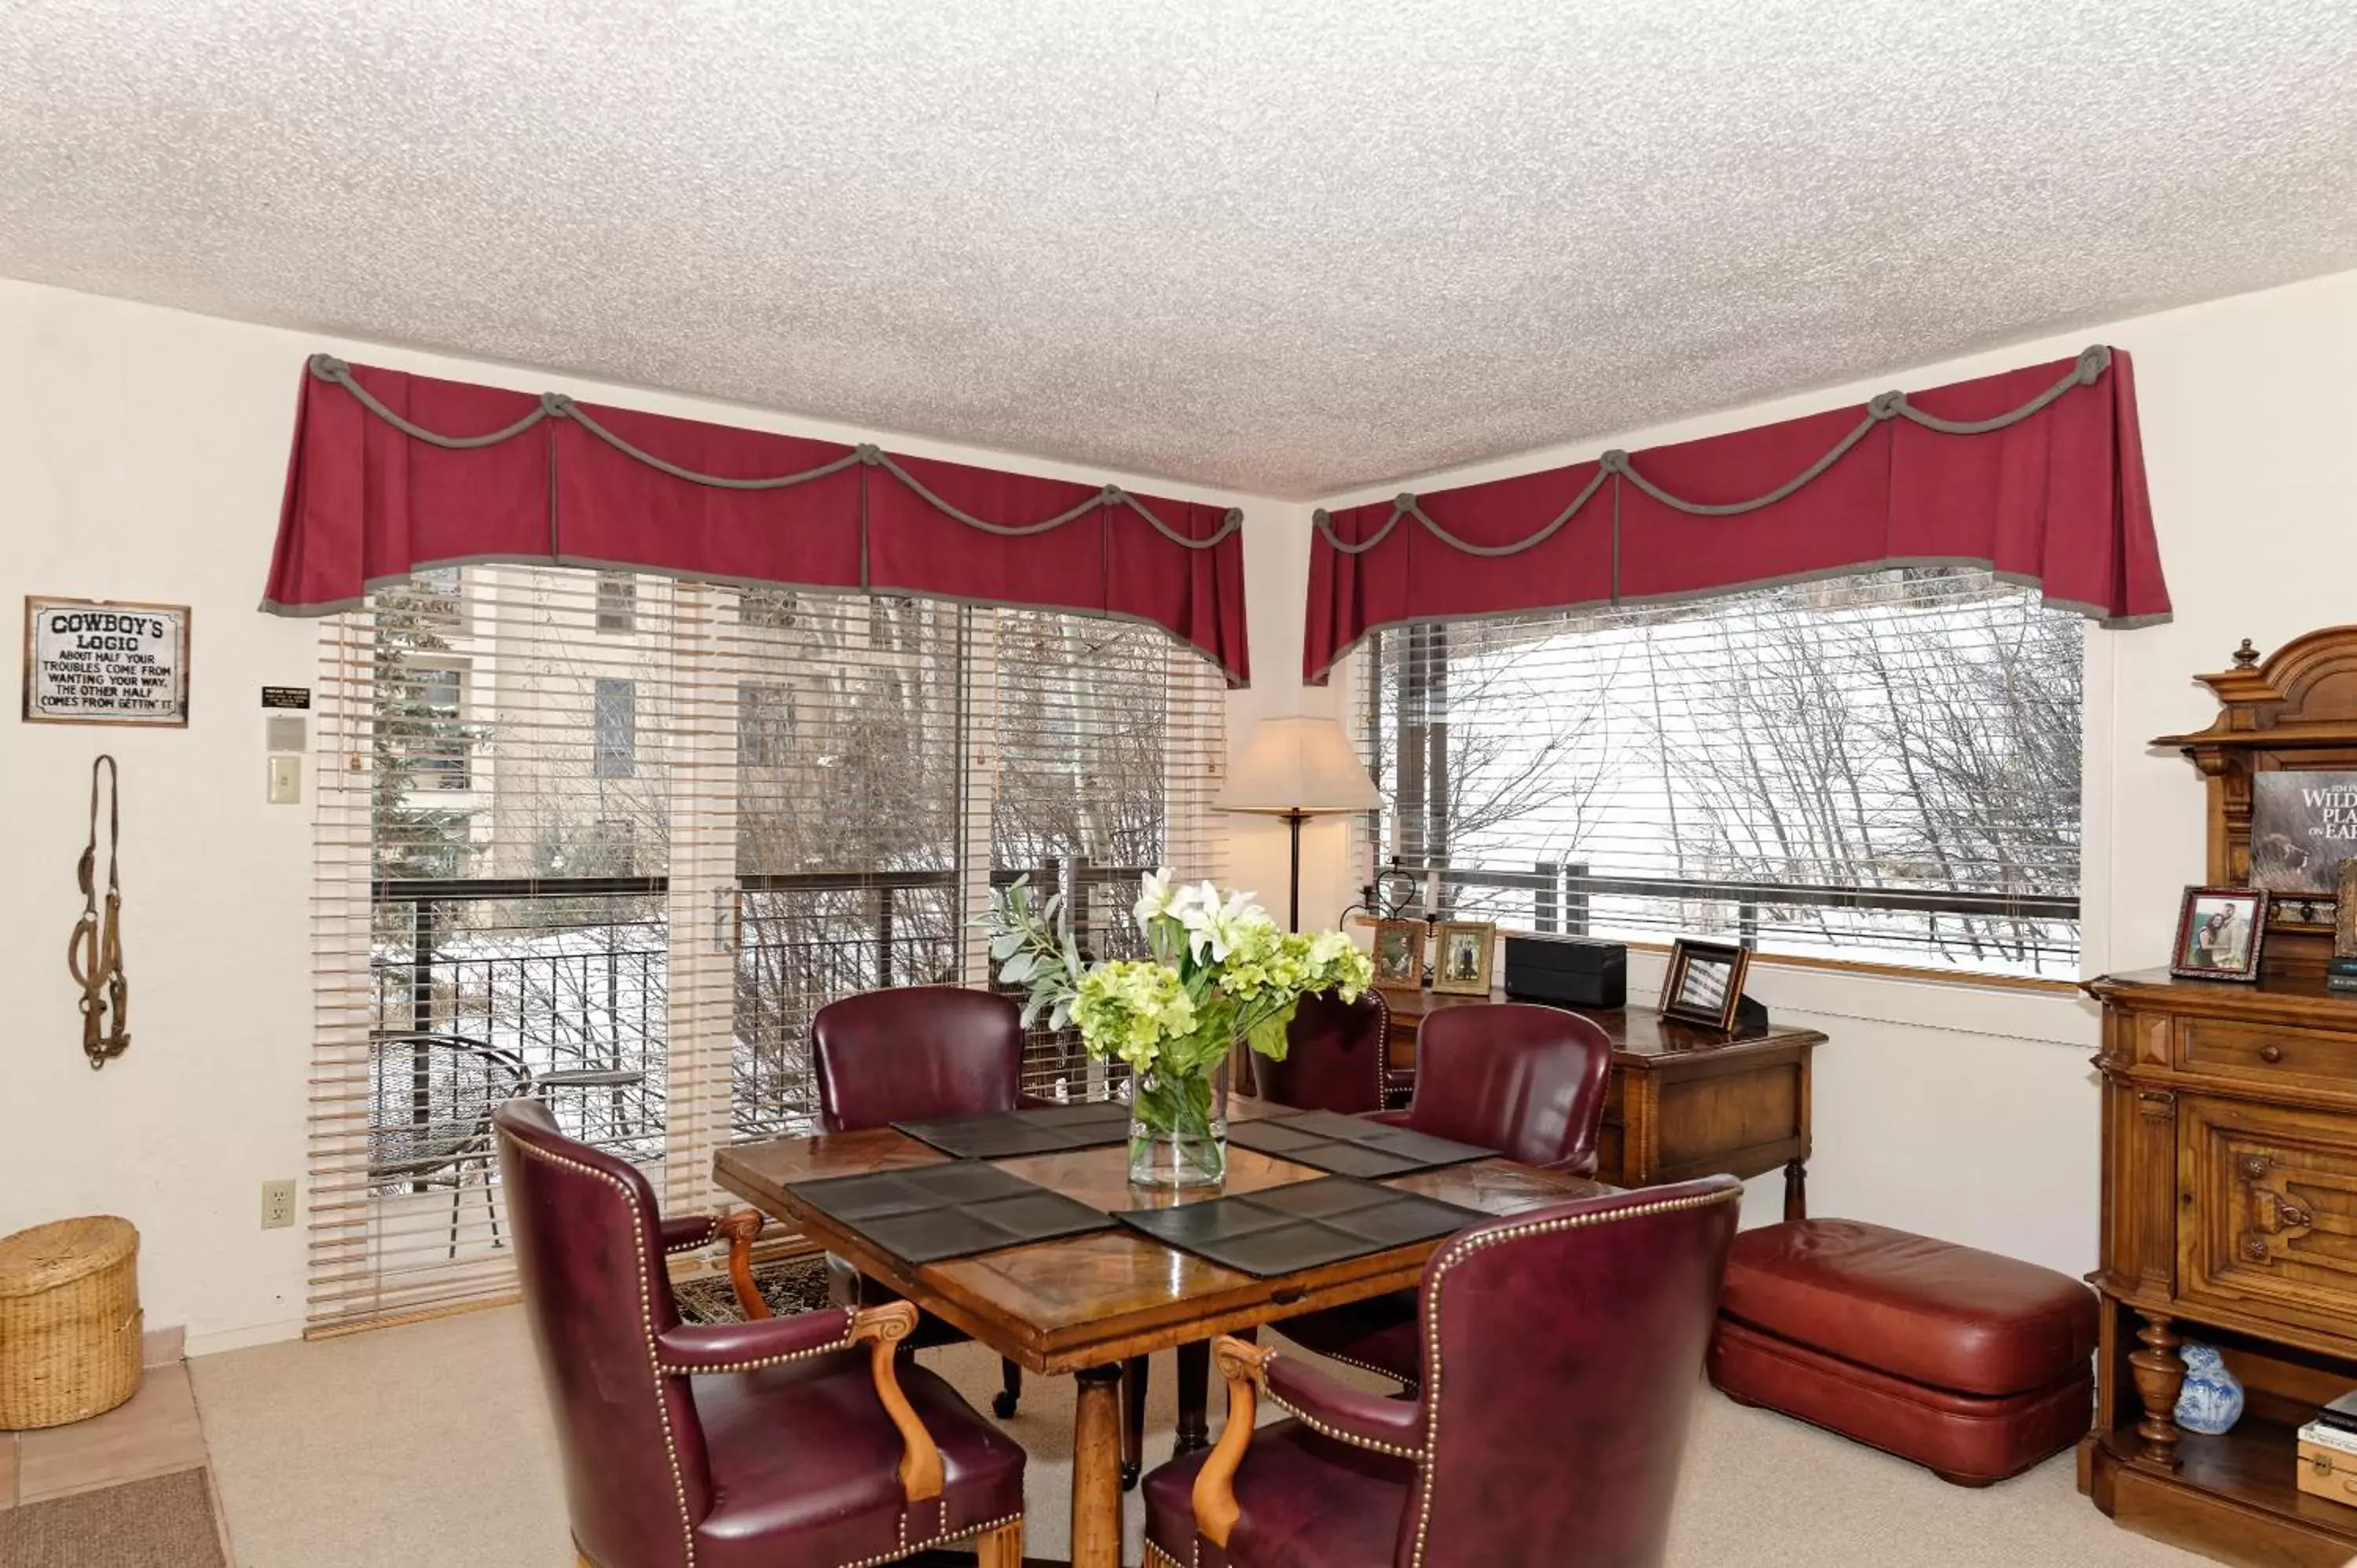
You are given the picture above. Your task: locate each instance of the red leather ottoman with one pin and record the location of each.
(1974, 1365)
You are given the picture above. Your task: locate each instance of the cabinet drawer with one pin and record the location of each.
(2268, 1208)
(2253, 1051)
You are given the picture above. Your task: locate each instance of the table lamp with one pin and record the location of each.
(1298, 768)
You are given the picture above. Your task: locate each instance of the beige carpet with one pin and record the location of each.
(431, 1444)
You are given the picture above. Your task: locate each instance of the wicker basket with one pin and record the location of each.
(70, 1321)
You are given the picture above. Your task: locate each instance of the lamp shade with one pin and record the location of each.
(1298, 766)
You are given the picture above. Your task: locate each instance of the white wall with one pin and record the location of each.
(1968, 1111)
(141, 456)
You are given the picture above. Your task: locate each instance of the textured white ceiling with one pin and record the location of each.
(1286, 249)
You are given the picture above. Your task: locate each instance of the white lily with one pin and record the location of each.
(1153, 898)
(1216, 927)
(1191, 907)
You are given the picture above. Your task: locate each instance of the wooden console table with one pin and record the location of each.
(1684, 1101)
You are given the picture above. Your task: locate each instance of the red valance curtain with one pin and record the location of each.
(2038, 473)
(393, 472)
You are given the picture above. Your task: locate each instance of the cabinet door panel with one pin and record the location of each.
(2272, 1219)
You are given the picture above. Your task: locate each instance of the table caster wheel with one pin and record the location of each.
(1002, 1405)
(1129, 1477)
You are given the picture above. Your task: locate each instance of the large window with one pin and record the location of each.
(677, 839)
(1881, 768)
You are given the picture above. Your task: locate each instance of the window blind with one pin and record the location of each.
(1881, 767)
(613, 840)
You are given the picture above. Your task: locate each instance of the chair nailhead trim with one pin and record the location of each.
(1153, 1551)
(1336, 1433)
(1322, 1428)
(1456, 1254)
(1363, 1365)
(904, 1549)
(845, 1343)
(646, 1326)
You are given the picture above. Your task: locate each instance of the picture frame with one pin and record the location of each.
(1399, 953)
(105, 661)
(1704, 984)
(2220, 931)
(1464, 956)
(2302, 821)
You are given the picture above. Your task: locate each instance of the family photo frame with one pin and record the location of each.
(2219, 933)
(1399, 953)
(1462, 956)
(1704, 984)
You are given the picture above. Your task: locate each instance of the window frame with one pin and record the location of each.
(615, 604)
(459, 772)
(614, 727)
(1377, 728)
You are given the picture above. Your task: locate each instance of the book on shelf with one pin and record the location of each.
(2341, 1412)
(2338, 1439)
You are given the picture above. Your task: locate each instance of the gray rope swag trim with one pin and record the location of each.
(557, 405)
(2092, 362)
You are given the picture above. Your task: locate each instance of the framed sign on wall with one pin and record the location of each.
(88, 662)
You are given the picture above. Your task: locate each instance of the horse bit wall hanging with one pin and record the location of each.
(94, 951)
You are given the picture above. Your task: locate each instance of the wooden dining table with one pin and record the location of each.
(1083, 1304)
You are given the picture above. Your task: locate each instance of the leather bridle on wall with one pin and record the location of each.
(94, 951)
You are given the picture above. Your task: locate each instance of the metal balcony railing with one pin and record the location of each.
(1564, 895)
(570, 978)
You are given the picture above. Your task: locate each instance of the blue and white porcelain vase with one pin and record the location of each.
(2212, 1401)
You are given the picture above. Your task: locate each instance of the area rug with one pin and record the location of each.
(789, 1285)
(166, 1521)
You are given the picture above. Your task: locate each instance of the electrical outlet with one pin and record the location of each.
(277, 1204)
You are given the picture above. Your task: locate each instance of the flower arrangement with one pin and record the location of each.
(1221, 972)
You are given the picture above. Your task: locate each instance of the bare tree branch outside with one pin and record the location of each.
(1882, 767)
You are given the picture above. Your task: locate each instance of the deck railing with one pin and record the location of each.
(570, 976)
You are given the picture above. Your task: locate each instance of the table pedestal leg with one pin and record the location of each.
(1096, 1469)
(1796, 1190)
(1194, 1394)
(1135, 1378)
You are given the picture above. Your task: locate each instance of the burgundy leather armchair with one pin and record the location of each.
(1562, 1352)
(914, 1052)
(1333, 1057)
(1520, 1079)
(783, 1441)
(1526, 1080)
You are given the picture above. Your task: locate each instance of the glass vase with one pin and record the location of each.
(1178, 1129)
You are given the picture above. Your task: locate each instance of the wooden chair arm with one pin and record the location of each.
(1215, 1484)
(741, 1228)
(882, 1328)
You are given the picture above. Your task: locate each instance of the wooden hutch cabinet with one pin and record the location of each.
(2230, 1169)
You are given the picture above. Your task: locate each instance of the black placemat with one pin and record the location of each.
(1303, 1226)
(1008, 1135)
(1351, 1145)
(927, 1213)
